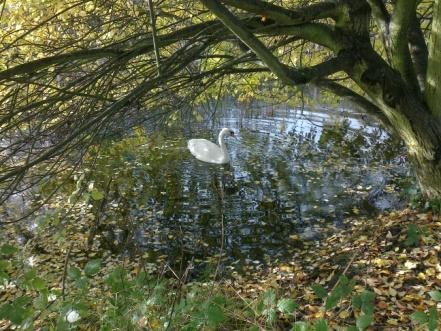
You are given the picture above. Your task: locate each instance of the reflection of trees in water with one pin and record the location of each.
(163, 201)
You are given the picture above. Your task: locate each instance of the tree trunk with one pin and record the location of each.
(423, 143)
(428, 173)
(407, 114)
(433, 80)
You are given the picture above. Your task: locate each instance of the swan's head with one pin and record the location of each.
(225, 132)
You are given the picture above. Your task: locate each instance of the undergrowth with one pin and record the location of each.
(142, 301)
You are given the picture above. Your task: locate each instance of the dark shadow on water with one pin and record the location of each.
(292, 180)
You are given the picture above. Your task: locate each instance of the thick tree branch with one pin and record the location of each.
(287, 75)
(433, 81)
(419, 52)
(285, 16)
(382, 19)
(323, 69)
(238, 28)
(317, 33)
(400, 24)
(356, 98)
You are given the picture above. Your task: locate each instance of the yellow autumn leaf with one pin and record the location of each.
(344, 314)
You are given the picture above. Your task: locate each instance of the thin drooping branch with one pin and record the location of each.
(142, 47)
(154, 35)
(34, 66)
(186, 55)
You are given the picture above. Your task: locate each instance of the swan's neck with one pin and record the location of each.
(222, 142)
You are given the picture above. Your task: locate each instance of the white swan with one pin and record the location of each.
(207, 151)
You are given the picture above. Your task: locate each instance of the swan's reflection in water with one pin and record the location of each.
(286, 185)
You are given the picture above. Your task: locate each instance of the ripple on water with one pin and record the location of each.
(288, 176)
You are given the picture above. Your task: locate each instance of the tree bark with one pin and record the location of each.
(433, 90)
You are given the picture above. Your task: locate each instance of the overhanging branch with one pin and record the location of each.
(286, 16)
(287, 75)
(356, 98)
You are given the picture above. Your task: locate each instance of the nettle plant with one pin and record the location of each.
(98, 297)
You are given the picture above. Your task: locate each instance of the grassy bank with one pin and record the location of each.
(380, 274)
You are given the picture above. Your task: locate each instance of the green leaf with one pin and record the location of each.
(363, 321)
(319, 291)
(345, 287)
(433, 319)
(117, 280)
(219, 300)
(419, 317)
(17, 311)
(92, 267)
(351, 328)
(97, 195)
(215, 315)
(29, 277)
(271, 316)
(287, 306)
(269, 298)
(321, 325)
(368, 296)
(74, 273)
(38, 284)
(332, 301)
(41, 301)
(8, 249)
(435, 295)
(368, 302)
(81, 283)
(260, 307)
(4, 265)
(300, 326)
(357, 301)
(413, 235)
(3, 276)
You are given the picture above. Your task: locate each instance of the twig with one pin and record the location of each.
(154, 35)
(66, 261)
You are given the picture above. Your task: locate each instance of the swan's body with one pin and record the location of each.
(207, 151)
